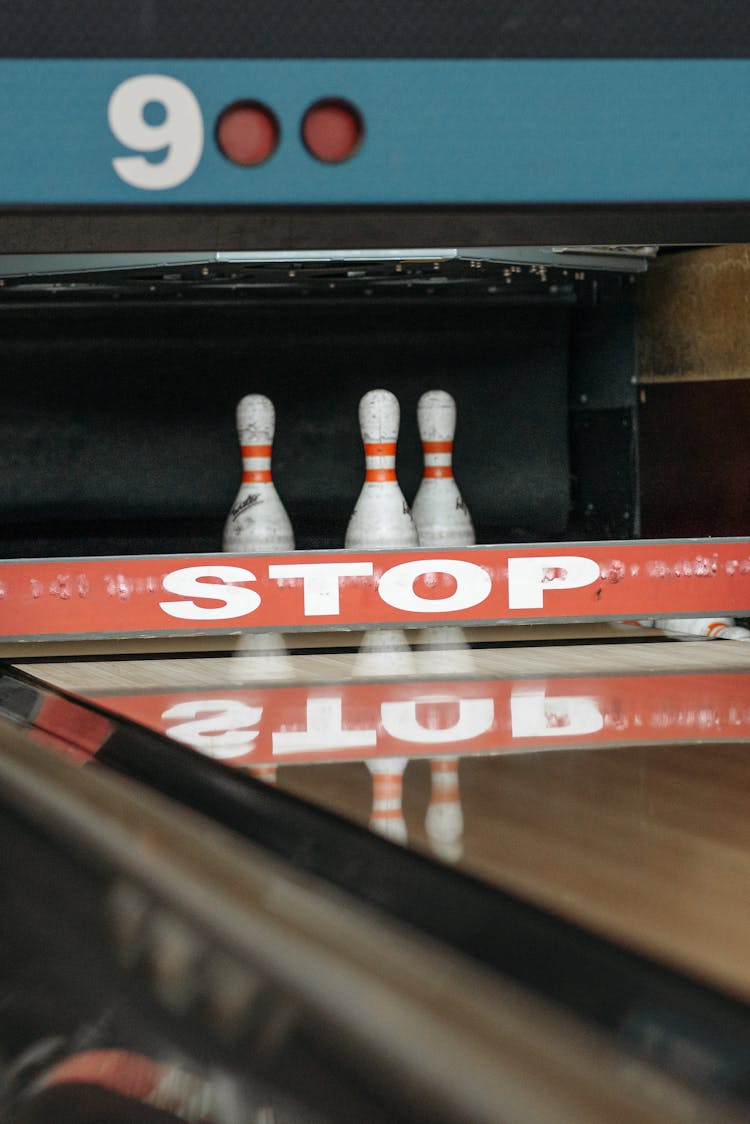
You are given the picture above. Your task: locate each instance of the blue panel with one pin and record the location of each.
(438, 132)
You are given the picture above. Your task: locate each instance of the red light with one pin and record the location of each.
(332, 130)
(247, 133)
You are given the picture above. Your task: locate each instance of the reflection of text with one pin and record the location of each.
(356, 721)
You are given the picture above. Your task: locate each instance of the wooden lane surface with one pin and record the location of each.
(208, 643)
(647, 845)
(152, 668)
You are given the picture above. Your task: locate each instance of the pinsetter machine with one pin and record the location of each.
(542, 208)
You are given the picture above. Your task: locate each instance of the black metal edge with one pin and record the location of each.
(109, 229)
(373, 28)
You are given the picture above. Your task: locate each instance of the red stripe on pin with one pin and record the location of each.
(379, 475)
(256, 450)
(257, 476)
(432, 471)
(447, 796)
(380, 449)
(437, 446)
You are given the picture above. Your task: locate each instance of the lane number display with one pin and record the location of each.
(178, 135)
(161, 116)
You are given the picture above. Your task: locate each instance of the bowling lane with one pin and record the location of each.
(610, 786)
(648, 845)
(93, 667)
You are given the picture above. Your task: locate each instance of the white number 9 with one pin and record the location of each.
(180, 133)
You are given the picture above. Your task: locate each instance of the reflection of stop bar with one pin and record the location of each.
(351, 589)
(362, 721)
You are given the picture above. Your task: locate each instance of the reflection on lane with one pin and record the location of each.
(648, 844)
(365, 721)
(387, 712)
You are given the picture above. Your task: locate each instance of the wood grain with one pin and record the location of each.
(693, 322)
(93, 678)
(647, 845)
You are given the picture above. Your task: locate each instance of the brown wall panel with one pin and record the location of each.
(695, 459)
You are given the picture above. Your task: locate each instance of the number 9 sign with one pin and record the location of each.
(180, 133)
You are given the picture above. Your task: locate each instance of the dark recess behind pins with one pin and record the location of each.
(118, 432)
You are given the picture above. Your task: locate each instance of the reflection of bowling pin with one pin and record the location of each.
(439, 511)
(383, 653)
(442, 520)
(260, 657)
(444, 822)
(695, 628)
(387, 817)
(444, 650)
(257, 521)
(381, 518)
(265, 773)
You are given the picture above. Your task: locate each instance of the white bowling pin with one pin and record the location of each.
(381, 517)
(694, 628)
(443, 520)
(257, 521)
(444, 822)
(439, 511)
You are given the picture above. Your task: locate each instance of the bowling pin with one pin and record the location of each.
(387, 817)
(439, 511)
(381, 518)
(257, 521)
(385, 652)
(260, 657)
(444, 650)
(444, 822)
(695, 628)
(443, 520)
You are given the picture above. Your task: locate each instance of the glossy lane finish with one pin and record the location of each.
(649, 845)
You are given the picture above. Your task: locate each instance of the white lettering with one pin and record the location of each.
(401, 720)
(473, 585)
(179, 135)
(533, 715)
(529, 577)
(324, 731)
(321, 582)
(223, 733)
(235, 600)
